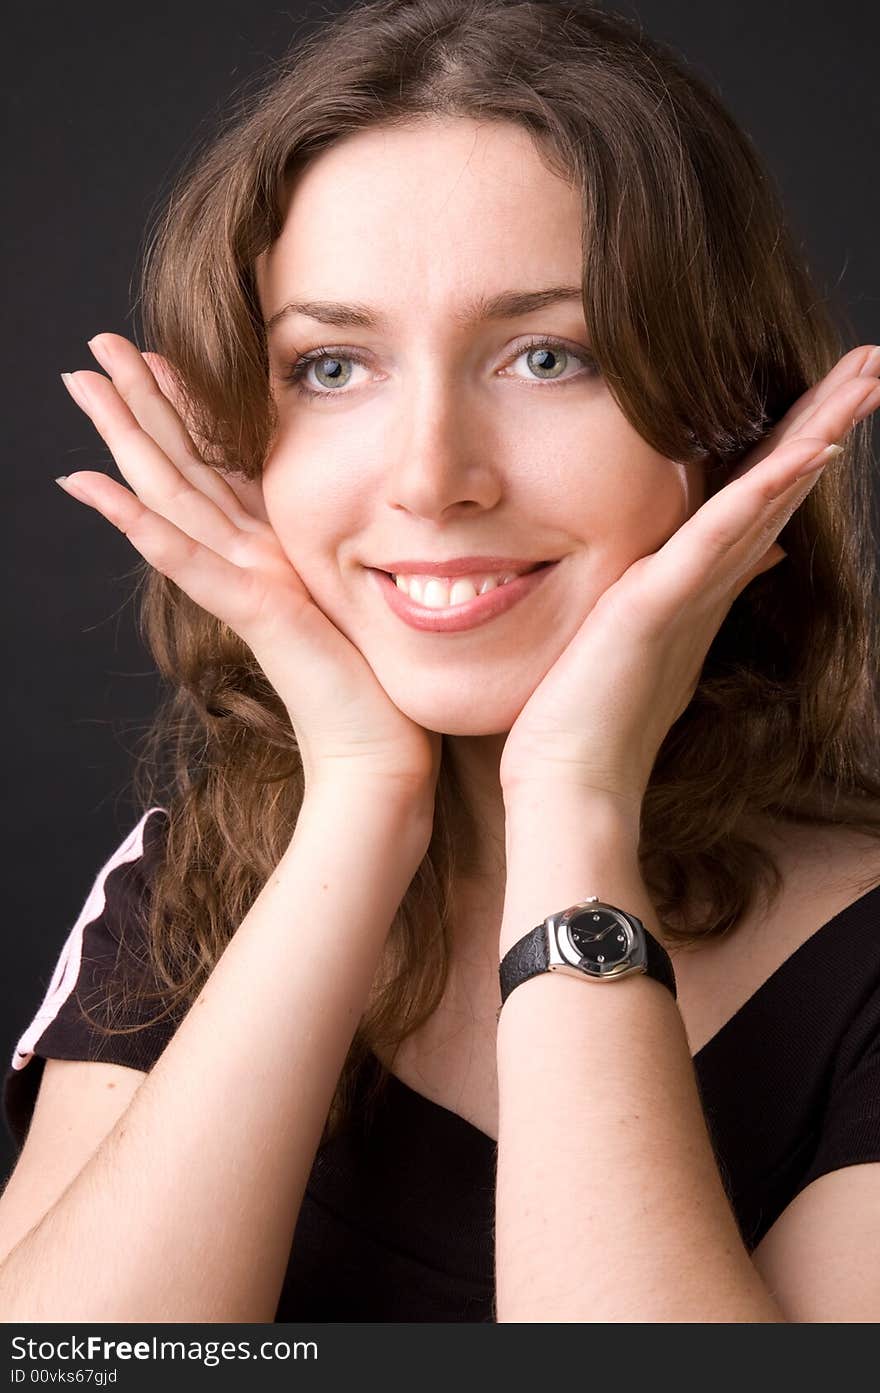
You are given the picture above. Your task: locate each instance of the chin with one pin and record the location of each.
(455, 711)
(471, 728)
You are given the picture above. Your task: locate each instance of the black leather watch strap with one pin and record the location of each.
(530, 956)
(659, 963)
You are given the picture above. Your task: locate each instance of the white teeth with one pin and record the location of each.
(435, 592)
(463, 590)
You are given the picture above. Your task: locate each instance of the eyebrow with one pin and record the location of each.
(508, 304)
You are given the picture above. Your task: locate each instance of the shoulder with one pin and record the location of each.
(827, 873)
(820, 1254)
(832, 864)
(103, 959)
(112, 916)
(824, 871)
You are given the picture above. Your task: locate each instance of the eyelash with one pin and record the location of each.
(295, 374)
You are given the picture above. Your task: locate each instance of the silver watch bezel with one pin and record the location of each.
(564, 957)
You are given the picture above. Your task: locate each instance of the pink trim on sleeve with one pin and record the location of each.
(67, 968)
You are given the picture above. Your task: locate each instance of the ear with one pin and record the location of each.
(249, 492)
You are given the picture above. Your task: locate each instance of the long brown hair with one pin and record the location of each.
(706, 326)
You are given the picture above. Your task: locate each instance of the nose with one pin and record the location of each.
(441, 456)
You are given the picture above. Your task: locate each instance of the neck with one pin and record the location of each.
(478, 899)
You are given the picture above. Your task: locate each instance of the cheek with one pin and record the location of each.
(629, 509)
(643, 496)
(314, 523)
(312, 490)
(591, 470)
(292, 521)
(651, 515)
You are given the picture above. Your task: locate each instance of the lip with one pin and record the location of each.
(460, 566)
(469, 615)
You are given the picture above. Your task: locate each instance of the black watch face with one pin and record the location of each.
(599, 937)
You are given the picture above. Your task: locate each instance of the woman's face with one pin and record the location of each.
(434, 433)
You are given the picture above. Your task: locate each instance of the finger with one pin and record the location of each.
(724, 541)
(249, 492)
(832, 417)
(155, 478)
(781, 471)
(772, 557)
(146, 385)
(767, 495)
(727, 536)
(168, 385)
(836, 414)
(219, 586)
(798, 419)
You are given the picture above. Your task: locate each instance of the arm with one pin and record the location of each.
(186, 1211)
(610, 1206)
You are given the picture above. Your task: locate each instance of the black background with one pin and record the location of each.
(103, 103)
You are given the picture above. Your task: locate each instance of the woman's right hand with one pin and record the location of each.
(190, 524)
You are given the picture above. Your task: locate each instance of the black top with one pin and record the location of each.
(397, 1219)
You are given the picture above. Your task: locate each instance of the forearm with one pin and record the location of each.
(186, 1211)
(610, 1206)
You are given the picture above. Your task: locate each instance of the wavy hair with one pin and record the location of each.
(706, 326)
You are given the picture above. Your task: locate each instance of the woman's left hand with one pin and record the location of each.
(598, 718)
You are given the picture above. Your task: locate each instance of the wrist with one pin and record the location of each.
(563, 845)
(403, 806)
(563, 805)
(605, 792)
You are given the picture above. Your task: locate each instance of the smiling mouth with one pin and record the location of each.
(469, 613)
(429, 575)
(483, 582)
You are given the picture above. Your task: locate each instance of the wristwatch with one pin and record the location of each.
(590, 939)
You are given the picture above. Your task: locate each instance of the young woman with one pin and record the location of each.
(503, 493)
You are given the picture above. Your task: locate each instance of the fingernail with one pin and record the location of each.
(70, 486)
(76, 390)
(819, 461)
(102, 352)
(871, 365)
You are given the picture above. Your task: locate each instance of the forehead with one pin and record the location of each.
(421, 214)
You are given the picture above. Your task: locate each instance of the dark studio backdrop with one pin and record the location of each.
(103, 103)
